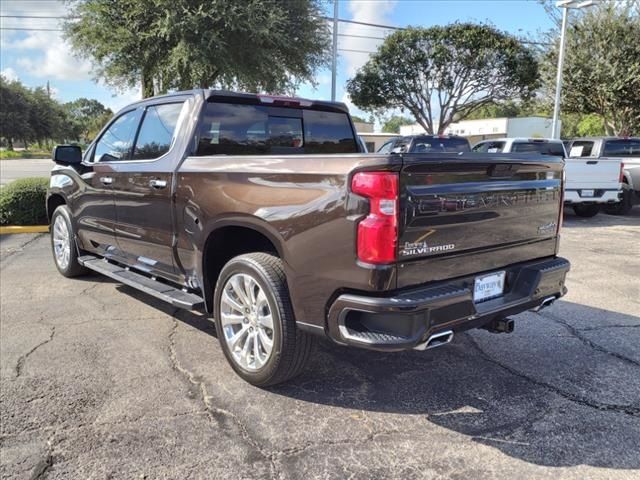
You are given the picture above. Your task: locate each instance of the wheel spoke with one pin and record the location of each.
(256, 348)
(248, 342)
(231, 318)
(267, 342)
(235, 339)
(226, 298)
(239, 291)
(250, 288)
(266, 321)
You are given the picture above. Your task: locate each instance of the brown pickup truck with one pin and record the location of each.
(263, 211)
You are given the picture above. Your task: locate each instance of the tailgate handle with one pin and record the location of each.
(502, 170)
(592, 162)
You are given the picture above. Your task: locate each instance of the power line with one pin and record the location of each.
(352, 35)
(377, 25)
(359, 36)
(355, 51)
(33, 29)
(47, 17)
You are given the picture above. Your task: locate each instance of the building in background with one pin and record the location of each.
(487, 128)
(373, 140)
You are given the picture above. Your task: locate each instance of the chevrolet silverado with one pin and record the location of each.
(264, 212)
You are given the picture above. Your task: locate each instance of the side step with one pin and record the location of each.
(173, 295)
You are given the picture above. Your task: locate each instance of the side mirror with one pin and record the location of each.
(67, 154)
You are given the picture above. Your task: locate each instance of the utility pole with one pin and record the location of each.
(555, 131)
(48, 89)
(565, 5)
(334, 53)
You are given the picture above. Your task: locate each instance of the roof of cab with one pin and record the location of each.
(208, 94)
(521, 139)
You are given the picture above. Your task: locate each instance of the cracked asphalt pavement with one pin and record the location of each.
(98, 381)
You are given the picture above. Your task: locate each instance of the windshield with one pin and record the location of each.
(439, 144)
(622, 148)
(545, 148)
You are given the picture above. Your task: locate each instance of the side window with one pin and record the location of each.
(117, 141)
(481, 147)
(489, 147)
(328, 132)
(386, 148)
(401, 146)
(156, 133)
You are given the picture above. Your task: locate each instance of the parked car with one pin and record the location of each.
(588, 184)
(426, 144)
(263, 211)
(626, 151)
(544, 146)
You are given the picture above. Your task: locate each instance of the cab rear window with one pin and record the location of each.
(240, 129)
(545, 148)
(439, 144)
(622, 148)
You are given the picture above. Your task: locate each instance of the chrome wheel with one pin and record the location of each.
(61, 242)
(247, 321)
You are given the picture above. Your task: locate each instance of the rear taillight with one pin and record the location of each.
(378, 231)
(561, 218)
(621, 178)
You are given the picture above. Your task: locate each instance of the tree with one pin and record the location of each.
(358, 119)
(87, 116)
(30, 115)
(443, 74)
(601, 72)
(393, 124)
(265, 45)
(14, 114)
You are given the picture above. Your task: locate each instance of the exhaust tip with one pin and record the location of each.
(545, 303)
(436, 340)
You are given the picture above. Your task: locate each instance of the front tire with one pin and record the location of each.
(255, 322)
(586, 211)
(63, 245)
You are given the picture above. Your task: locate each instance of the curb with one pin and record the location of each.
(30, 229)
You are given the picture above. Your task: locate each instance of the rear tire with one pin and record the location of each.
(255, 322)
(63, 244)
(586, 211)
(624, 206)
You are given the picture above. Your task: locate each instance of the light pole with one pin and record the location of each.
(334, 53)
(565, 5)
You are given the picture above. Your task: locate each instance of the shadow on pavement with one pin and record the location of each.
(571, 220)
(464, 389)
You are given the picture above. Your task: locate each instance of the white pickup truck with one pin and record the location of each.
(589, 183)
(616, 154)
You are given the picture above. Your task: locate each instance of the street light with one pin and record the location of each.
(565, 5)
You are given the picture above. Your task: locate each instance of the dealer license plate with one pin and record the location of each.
(488, 286)
(587, 193)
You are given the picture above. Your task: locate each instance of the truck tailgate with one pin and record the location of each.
(591, 173)
(469, 213)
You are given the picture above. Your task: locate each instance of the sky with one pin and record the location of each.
(35, 57)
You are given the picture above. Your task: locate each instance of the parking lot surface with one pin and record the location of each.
(11, 170)
(100, 381)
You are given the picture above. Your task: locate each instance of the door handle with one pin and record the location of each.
(106, 180)
(155, 183)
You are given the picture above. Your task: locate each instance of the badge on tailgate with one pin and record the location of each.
(488, 286)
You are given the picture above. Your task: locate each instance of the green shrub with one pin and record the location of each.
(22, 202)
(10, 154)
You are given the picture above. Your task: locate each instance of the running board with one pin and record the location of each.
(173, 295)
